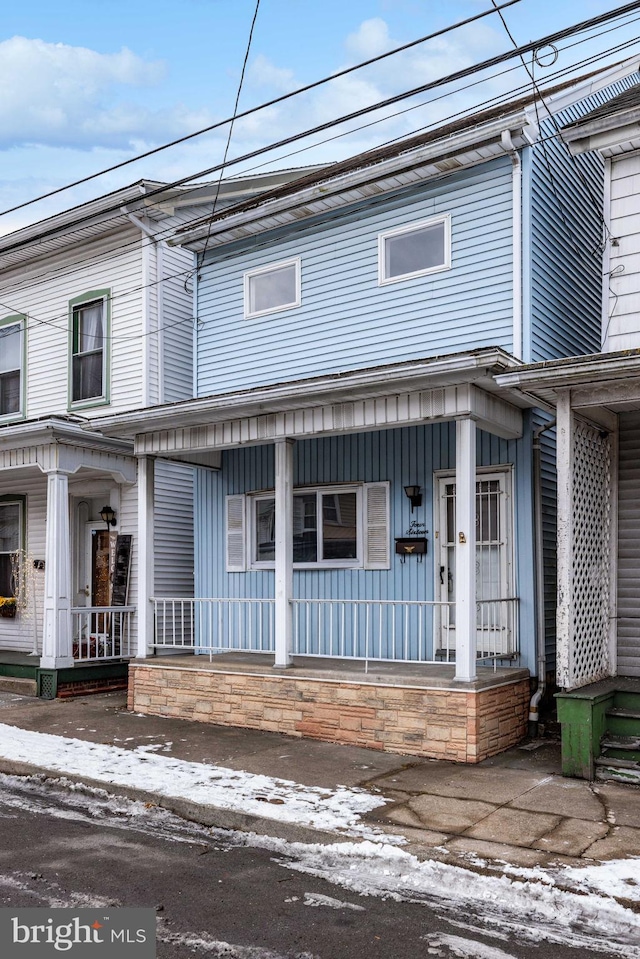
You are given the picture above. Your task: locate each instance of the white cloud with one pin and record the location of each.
(53, 93)
(370, 39)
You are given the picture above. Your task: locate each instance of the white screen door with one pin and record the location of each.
(494, 563)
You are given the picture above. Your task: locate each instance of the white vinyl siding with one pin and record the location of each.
(621, 326)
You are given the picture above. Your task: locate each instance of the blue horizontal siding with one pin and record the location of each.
(346, 321)
(564, 248)
(400, 456)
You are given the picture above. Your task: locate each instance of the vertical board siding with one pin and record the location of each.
(402, 456)
(173, 534)
(629, 545)
(549, 535)
(621, 330)
(566, 239)
(346, 320)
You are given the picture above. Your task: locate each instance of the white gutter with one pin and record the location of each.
(574, 372)
(516, 223)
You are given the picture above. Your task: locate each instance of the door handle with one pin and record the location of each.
(442, 575)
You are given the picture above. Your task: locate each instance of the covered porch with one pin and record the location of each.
(321, 566)
(57, 553)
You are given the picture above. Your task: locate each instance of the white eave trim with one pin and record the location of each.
(315, 199)
(360, 384)
(596, 370)
(47, 431)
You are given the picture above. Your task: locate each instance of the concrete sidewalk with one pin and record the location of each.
(515, 807)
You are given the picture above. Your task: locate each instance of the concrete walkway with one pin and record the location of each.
(515, 807)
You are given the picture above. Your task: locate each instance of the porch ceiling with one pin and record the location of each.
(439, 389)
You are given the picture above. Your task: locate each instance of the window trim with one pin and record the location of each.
(269, 268)
(85, 299)
(18, 319)
(7, 499)
(445, 219)
(357, 563)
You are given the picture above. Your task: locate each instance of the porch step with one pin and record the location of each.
(20, 686)
(621, 770)
(620, 747)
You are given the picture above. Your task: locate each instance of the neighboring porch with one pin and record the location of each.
(61, 623)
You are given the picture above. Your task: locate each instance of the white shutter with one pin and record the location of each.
(376, 526)
(236, 562)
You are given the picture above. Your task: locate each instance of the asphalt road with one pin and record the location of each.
(216, 893)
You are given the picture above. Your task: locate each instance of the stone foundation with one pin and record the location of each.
(462, 725)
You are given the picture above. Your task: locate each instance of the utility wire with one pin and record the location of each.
(389, 101)
(262, 106)
(54, 325)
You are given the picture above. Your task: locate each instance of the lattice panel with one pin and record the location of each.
(591, 524)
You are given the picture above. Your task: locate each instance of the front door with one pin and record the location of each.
(494, 563)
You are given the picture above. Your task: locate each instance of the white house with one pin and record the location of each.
(96, 315)
(598, 420)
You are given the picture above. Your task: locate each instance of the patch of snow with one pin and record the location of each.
(464, 948)
(317, 899)
(338, 809)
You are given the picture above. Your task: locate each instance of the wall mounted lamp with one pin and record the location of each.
(414, 495)
(108, 515)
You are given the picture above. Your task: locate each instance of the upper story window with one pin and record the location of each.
(11, 367)
(89, 348)
(414, 250)
(272, 288)
(11, 530)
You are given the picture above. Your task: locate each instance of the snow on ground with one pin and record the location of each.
(531, 909)
(572, 906)
(338, 810)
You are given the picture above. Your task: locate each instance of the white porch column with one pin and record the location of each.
(284, 552)
(564, 458)
(465, 550)
(57, 642)
(146, 555)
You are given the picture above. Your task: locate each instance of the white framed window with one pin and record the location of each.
(415, 250)
(345, 526)
(272, 288)
(12, 362)
(89, 338)
(11, 540)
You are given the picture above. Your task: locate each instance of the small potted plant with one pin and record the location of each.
(7, 606)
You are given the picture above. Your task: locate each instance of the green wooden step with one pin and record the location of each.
(620, 770)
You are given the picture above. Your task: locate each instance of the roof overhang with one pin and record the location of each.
(610, 135)
(54, 444)
(445, 156)
(607, 382)
(441, 388)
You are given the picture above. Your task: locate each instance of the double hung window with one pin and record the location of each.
(89, 320)
(11, 368)
(11, 523)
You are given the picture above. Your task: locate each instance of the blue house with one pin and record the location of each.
(374, 518)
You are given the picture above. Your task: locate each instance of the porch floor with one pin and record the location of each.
(421, 675)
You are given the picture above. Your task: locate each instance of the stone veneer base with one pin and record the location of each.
(438, 723)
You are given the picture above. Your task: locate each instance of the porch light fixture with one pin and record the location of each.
(414, 495)
(108, 515)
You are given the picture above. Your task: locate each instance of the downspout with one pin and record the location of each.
(516, 198)
(538, 559)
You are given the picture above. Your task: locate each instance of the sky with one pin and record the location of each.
(86, 84)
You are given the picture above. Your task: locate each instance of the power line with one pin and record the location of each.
(252, 110)
(502, 98)
(389, 101)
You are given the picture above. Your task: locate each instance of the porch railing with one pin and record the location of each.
(366, 630)
(102, 632)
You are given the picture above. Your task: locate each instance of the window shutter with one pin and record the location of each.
(376, 526)
(236, 562)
